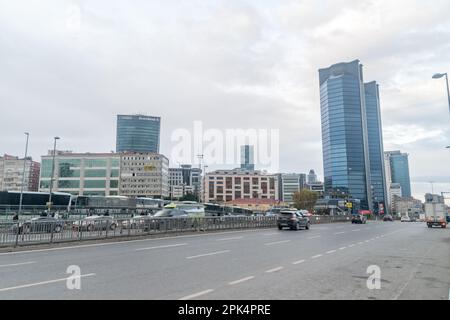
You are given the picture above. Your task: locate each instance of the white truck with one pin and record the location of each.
(435, 215)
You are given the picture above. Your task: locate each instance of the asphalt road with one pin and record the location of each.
(329, 261)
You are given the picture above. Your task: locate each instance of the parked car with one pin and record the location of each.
(359, 218)
(95, 223)
(40, 225)
(388, 217)
(405, 219)
(293, 219)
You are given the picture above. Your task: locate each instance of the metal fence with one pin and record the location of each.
(28, 233)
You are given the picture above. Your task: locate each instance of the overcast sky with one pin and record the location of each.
(67, 68)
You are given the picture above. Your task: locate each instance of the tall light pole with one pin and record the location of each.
(440, 75)
(53, 173)
(23, 175)
(204, 183)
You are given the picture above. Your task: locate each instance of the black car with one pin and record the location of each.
(359, 218)
(293, 220)
(40, 225)
(388, 217)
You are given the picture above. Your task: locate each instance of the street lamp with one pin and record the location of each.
(204, 183)
(53, 172)
(23, 175)
(440, 75)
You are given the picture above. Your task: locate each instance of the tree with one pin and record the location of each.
(189, 197)
(305, 199)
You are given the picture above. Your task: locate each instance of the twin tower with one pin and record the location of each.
(352, 138)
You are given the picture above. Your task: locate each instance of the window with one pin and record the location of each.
(92, 163)
(95, 173)
(68, 184)
(94, 184)
(114, 184)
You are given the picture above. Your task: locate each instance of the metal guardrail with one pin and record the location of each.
(14, 234)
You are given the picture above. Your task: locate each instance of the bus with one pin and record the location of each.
(148, 205)
(103, 205)
(33, 201)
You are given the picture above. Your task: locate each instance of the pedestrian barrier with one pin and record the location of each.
(34, 232)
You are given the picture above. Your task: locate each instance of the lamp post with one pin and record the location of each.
(53, 172)
(23, 175)
(440, 75)
(204, 183)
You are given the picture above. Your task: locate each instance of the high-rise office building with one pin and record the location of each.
(247, 157)
(138, 133)
(397, 170)
(351, 128)
(312, 177)
(375, 143)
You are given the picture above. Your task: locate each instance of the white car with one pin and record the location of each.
(405, 219)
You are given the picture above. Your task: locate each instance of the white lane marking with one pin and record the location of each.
(227, 239)
(342, 248)
(356, 230)
(208, 254)
(162, 247)
(16, 264)
(270, 234)
(45, 282)
(360, 242)
(331, 251)
(241, 280)
(316, 256)
(340, 232)
(195, 295)
(352, 245)
(277, 242)
(315, 237)
(298, 262)
(130, 241)
(367, 241)
(274, 269)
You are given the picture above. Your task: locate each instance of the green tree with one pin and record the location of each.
(305, 199)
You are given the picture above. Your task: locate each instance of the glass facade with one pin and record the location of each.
(85, 173)
(138, 133)
(400, 172)
(375, 142)
(351, 135)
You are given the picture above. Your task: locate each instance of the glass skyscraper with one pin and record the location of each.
(351, 135)
(375, 141)
(138, 133)
(399, 170)
(247, 157)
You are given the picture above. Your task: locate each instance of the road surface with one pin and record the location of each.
(329, 261)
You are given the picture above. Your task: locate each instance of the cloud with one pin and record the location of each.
(68, 67)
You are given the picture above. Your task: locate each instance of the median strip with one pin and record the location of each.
(207, 254)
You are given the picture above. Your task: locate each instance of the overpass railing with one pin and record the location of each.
(49, 231)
